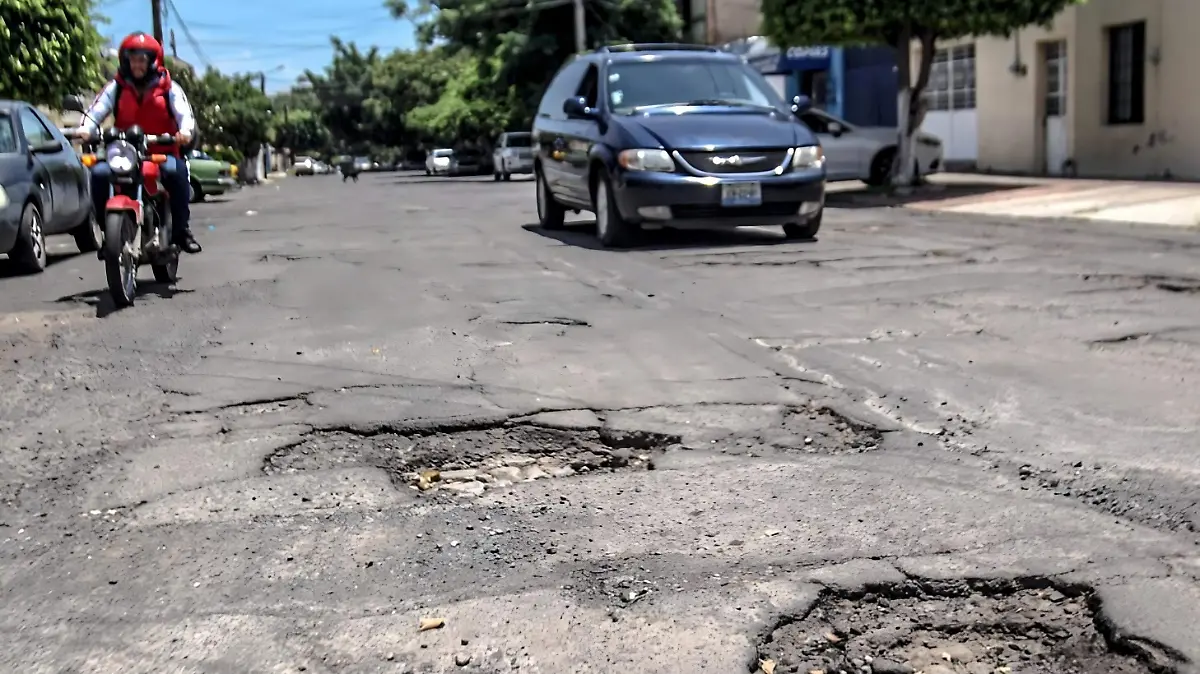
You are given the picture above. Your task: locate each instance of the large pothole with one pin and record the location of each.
(473, 462)
(993, 628)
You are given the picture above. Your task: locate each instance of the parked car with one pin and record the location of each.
(513, 154)
(674, 135)
(867, 153)
(305, 166)
(44, 188)
(210, 177)
(438, 161)
(363, 163)
(469, 162)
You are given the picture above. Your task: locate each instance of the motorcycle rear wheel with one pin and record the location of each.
(120, 265)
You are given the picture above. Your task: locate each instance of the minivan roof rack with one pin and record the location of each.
(655, 46)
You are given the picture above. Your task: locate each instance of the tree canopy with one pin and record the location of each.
(898, 24)
(56, 49)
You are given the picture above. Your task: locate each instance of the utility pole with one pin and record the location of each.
(174, 48)
(262, 83)
(580, 27)
(156, 13)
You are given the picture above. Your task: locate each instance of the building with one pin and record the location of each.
(1106, 91)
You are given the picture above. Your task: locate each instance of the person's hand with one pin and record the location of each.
(183, 138)
(83, 133)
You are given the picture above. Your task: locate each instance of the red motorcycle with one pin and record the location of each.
(137, 215)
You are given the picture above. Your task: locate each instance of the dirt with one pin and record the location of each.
(907, 630)
(473, 462)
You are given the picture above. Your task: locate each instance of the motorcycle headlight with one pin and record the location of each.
(809, 156)
(121, 157)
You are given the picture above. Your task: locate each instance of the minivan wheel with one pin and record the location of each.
(29, 253)
(806, 231)
(612, 230)
(551, 214)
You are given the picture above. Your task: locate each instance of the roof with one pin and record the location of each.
(636, 52)
(6, 104)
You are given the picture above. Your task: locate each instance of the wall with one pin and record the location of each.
(735, 19)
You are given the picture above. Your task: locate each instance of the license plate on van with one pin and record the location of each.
(741, 194)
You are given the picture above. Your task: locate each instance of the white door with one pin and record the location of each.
(952, 115)
(1055, 129)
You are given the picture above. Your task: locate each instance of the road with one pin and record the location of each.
(921, 443)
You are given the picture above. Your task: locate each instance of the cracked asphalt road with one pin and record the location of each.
(231, 476)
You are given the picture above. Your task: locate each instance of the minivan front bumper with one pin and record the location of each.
(684, 201)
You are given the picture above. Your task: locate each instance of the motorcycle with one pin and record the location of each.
(137, 214)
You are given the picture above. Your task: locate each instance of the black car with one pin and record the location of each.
(44, 188)
(674, 135)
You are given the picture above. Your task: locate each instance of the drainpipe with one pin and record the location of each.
(837, 81)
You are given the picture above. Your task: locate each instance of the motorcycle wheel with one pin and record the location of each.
(120, 264)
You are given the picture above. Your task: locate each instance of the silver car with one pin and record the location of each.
(513, 154)
(438, 162)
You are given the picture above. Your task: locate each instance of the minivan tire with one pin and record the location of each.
(807, 231)
(613, 230)
(551, 214)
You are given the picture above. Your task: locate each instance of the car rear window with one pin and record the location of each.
(519, 140)
(8, 138)
(443, 153)
(637, 84)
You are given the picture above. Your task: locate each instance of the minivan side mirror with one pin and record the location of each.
(577, 108)
(73, 103)
(801, 104)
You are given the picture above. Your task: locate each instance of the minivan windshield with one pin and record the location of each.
(519, 140)
(637, 85)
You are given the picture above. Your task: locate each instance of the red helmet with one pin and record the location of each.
(140, 43)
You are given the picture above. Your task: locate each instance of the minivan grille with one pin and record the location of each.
(735, 161)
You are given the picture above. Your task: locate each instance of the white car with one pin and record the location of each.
(867, 153)
(438, 161)
(513, 154)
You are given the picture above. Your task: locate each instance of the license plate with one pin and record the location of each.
(741, 194)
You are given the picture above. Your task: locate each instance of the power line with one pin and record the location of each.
(187, 34)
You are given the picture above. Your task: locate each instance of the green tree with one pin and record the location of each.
(898, 24)
(517, 48)
(301, 131)
(53, 49)
(344, 90)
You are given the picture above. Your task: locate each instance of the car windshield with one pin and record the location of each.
(468, 154)
(8, 139)
(303, 160)
(443, 153)
(637, 85)
(520, 140)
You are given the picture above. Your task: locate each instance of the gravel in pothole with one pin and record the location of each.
(1023, 632)
(473, 462)
(811, 431)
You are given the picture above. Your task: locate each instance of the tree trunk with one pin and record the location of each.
(910, 106)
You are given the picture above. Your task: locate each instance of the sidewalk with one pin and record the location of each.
(1143, 202)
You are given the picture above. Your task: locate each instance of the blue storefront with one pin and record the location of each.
(857, 84)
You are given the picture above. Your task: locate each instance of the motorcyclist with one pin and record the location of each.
(143, 94)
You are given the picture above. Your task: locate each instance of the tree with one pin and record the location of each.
(301, 131)
(517, 48)
(344, 90)
(55, 49)
(898, 24)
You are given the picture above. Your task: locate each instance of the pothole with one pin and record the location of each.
(973, 629)
(471, 463)
(810, 431)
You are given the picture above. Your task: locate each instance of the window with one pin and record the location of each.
(816, 123)
(561, 87)
(589, 88)
(36, 133)
(952, 79)
(1127, 74)
(8, 139)
(635, 84)
(518, 140)
(1056, 78)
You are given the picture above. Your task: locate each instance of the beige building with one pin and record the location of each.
(1109, 90)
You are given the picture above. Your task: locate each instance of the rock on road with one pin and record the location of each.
(371, 404)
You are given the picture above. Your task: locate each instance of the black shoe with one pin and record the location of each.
(188, 244)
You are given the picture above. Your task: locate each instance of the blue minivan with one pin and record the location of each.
(674, 135)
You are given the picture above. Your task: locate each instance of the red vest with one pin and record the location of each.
(151, 110)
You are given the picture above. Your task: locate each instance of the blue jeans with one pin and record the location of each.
(174, 177)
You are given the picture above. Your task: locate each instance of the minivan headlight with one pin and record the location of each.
(646, 160)
(808, 156)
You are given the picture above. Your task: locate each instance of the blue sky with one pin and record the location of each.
(279, 37)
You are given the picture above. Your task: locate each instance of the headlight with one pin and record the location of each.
(121, 157)
(646, 160)
(809, 156)
(3, 197)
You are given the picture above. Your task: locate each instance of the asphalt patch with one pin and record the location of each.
(963, 628)
(473, 462)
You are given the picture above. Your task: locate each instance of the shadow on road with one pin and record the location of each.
(581, 235)
(10, 270)
(102, 300)
(450, 180)
(883, 197)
